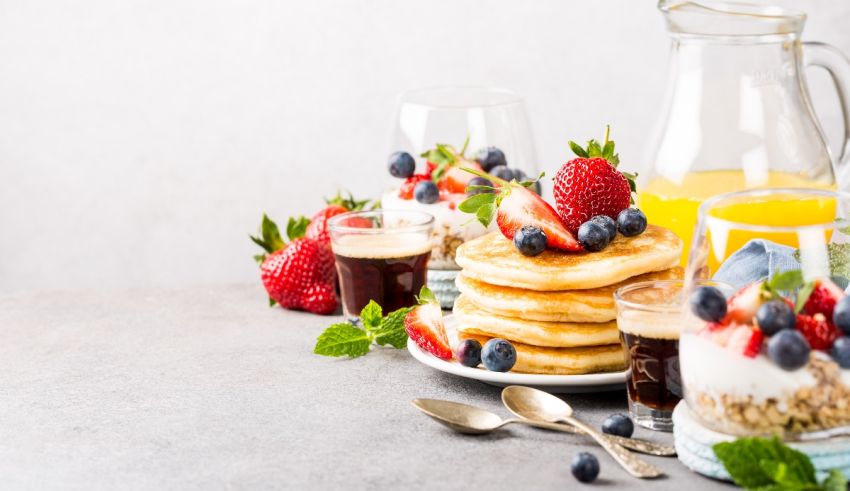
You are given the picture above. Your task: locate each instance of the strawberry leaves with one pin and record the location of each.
(426, 296)
(270, 238)
(349, 203)
(594, 149)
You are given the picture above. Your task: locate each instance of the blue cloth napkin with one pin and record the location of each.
(758, 259)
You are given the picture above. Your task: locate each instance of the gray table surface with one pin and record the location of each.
(207, 388)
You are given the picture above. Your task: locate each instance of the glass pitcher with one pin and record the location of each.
(737, 113)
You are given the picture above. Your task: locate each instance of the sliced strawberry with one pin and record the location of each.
(746, 341)
(521, 207)
(819, 332)
(457, 179)
(406, 189)
(744, 304)
(430, 167)
(424, 325)
(823, 298)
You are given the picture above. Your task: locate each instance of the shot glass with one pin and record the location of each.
(380, 255)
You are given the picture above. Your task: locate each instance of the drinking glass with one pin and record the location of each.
(380, 255)
(741, 374)
(649, 317)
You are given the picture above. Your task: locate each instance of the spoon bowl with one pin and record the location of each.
(535, 404)
(459, 417)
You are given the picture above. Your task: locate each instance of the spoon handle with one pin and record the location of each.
(636, 444)
(632, 464)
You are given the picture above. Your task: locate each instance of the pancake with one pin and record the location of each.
(472, 319)
(594, 305)
(493, 259)
(563, 361)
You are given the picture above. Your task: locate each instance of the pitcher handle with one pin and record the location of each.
(833, 60)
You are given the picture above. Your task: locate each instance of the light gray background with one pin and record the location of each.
(141, 141)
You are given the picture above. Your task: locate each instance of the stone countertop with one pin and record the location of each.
(208, 388)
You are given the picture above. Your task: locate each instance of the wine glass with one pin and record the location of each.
(773, 358)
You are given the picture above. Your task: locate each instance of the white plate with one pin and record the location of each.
(597, 382)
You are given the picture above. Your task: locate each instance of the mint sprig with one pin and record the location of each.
(767, 463)
(345, 339)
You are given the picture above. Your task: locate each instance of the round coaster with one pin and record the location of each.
(694, 444)
(442, 283)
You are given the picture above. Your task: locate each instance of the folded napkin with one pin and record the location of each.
(758, 259)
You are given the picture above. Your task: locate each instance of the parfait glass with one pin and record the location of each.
(783, 369)
(487, 117)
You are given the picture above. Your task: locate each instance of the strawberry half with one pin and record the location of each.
(744, 304)
(746, 341)
(823, 298)
(591, 185)
(457, 179)
(818, 331)
(515, 206)
(424, 325)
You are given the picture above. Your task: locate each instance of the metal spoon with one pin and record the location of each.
(475, 421)
(536, 405)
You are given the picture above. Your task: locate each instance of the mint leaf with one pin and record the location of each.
(762, 462)
(296, 227)
(803, 295)
(370, 316)
(343, 340)
(392, 330)
(786, 281)
(835, 481)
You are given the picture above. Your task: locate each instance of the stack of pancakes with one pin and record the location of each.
(557, 309)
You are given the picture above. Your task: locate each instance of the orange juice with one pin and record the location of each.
(674, 205)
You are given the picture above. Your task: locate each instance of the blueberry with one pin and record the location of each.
(479, 181)
(841, 315)
(788, 349)
(709, 304)
(490, 157)
(609, 224)
(498, 355)
(775, 316)
(530, 240)
(468, 353)
(426, 192)
(502, 172)
(841, 351)
(631, 222)
(401, 165)
(618, 424)
(593, 236)
(585, 467)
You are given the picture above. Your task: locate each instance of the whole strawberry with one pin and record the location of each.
(298, 275)
(318, 228)
(591, 185)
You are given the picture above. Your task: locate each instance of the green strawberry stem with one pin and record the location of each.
(485, 175)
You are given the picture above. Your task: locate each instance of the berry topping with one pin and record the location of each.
(591, 185)
(708, 304)
(774, 316)
(401, 165)
(468, 353)
(631, 222)
(841, 315)
(472, 189)
(746, 341)
(618, 424)
(593, 236)
(406, 189)
(608, 223)
(426, 192)
(530, 240)
(457, 179)
(498, 355)
(840, 351)
(490, 157)
(823, 298)
(502, 172)
(513, 207)
(424, 325)
(788, 349)
(744, 304)
(585, 467)
(817, 330)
